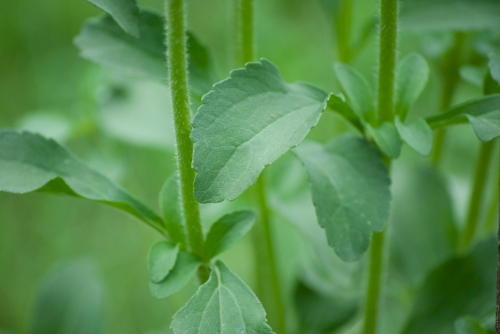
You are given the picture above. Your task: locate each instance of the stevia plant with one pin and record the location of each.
(254, 117)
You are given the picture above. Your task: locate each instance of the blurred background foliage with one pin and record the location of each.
(121, 126)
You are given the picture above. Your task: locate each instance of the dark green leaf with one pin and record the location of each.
(464, 285)
(102, 41)
(358, 91)
(412, 77)
(29, 162)
(224, 304)
(417, 134)
(161, 259)
(338, 104)
(483, 113)
(170, 208)
(227, 231)
(125, 13)
(70, 300)
(185, 267)
(245, 123)
(387, 139)
(469, 325)
(350, 188)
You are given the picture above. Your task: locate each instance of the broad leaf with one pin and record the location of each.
(184, 269)
(417, 134)
(458, 15)
(244, 124)
(358, 91)
(461, 286)
(494, 65)
(125, 13)
(29, 162)
(227, 231)
(225, 305)
(338, 104)
(350, 189)
(170, 209)
(413, 73)
(161, 259)
(483, 113)
(387, 139)
(469, 325)
(102, 41)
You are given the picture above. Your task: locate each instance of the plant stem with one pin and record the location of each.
(177, 65)
(342, 22)
(245, 46)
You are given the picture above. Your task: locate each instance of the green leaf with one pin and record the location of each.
(358, 91)
(494, 65)
(125, 13)
(102, 41)
(227, 231)
(417, 134)
(387, 139)
(29, 162)
(161, 259)
(461, 15)
(244, 124)
(338, 104)
(184, 269)
(483, 113)
(464, 285)
(350, 189)
(413, 73)
(469, 325)
(70, 300)
(171, 210)
(224, 304)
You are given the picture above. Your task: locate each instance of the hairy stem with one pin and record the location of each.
(177, 65)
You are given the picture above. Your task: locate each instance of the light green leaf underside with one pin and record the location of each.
(457, 15)
(244, 124)
(483, 113)
(102, 41)
(227, 231)
(417, 134)
(387, 139)
(125, 13)
(350, 189)
(223, 305)
(184, 269)
(413, 73)
(30, 162)
(161, 259)
(170, 209)
(469, 325)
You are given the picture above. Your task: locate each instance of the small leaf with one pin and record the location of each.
(29, 162)
(358, 90)
(483, 113)
(417, 134)
(125, 13)
(170, 209)
(413, 74)
(227, 231)
(387, 139)
(161, 259)
(350, 189)
(244, 124)
(494, 65)
(338, 104)
(469, 325)
(224, 304)
(102, 41)
(185, 267)
(472, 74)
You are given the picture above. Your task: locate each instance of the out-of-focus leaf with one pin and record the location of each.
(469, 325)
(161, 259)
(435, 44)
(417, 134)
(464, 285)
(245, 123)
(350, 188)
(494, 65)
(413, 73)
(102, 41)
(483, 113)
(227, 231)
(457, 15)
(171, 210)
(224, 304)
(184, 269)
(125, 13)
(387, 139)
(30, 162)
(338, 104)
(472, 74)
(49, 124)
(70, 301)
